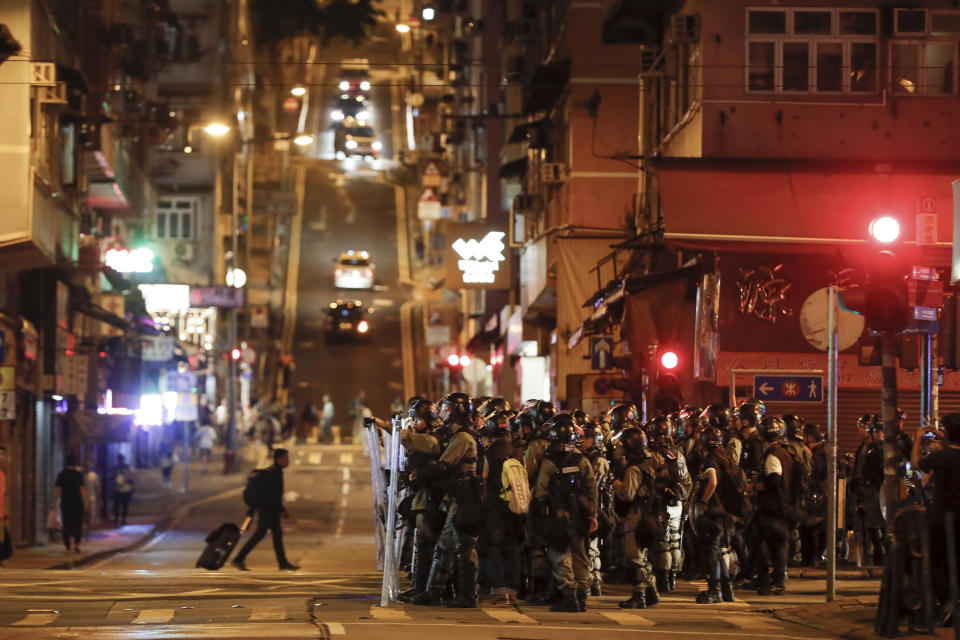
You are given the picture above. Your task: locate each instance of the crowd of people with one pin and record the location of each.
(549, 506)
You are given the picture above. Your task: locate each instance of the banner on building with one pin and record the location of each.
(156, 348)
(221, 297)
(707, 329)
(477, 257)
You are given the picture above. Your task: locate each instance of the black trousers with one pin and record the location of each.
(72, 516)
(121, 504)
(266, 521)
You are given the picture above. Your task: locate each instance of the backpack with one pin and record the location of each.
(516, 487)
(255, 491)
(732, 491)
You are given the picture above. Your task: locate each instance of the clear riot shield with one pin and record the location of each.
(392, 448)
(379, 491)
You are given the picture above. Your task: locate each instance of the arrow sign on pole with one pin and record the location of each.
(601, 352)
(788, 388)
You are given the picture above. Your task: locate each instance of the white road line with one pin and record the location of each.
(36, 619)
(334, 628)
(154, 616)
(507, 615)
(314, 458)
(628, 619)
(383, 302)
(388, 613)
(753, 623)
(267, 613)
(285, 630)
(346, 458)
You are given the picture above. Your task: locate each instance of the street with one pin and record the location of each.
(155, 592)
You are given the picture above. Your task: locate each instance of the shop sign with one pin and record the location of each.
(477, 257)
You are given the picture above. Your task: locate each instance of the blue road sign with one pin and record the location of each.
(601, 353)
(788, 388)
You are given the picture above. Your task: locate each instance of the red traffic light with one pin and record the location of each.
(885, 229)
(669, 360)
(235, 354)
(453, 360)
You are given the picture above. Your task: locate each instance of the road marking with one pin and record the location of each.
(346, 458)
(334, 628)
(403, 241)
(383, 302)
(507, 615)
(388, 613)
(268, 613)
(293, 264)
(314, 458)
(286, 630)
(754, 623)
(154, 616)
(628, 619)
(36, 619)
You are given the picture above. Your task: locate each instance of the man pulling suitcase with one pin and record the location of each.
(266, 496)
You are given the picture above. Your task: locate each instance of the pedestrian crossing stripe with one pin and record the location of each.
(628, 618)
(755, 623)
(36, 619)
(334, 628)
(154, 616)
(388, 613)
(267, 613)
(508, 615)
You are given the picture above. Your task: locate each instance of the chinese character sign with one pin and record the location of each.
(763, 293)
(477, 257)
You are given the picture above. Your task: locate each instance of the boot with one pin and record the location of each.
(581, 598)
(567, 603)
(436, 585)
(596, 589)
(419, 574)
(672, 581)
(726, 590)
(637, 601)
(653, 598)
(466, 585)
(711, 595)
(661, 580)
(540, 594)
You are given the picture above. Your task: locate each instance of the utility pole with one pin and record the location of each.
(831, 445)
(888, 373)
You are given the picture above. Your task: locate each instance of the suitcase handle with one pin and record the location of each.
(246, 524)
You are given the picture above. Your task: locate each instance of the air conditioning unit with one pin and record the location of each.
(183, 251)
(686, 28)
(552, 172)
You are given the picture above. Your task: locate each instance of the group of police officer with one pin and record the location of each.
(546, 506)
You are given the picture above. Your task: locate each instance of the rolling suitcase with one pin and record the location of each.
(220, 544)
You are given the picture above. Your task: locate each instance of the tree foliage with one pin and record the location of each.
(350, 20)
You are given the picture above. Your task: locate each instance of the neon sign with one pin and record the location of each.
(129, 261)
(480, 261)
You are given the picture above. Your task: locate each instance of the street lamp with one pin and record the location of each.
(428, 13)
(403, 28)
(303, 140)
(236, 278)
(298, 91)
(216, 129)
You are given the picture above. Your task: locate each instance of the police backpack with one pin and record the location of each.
(516, 486)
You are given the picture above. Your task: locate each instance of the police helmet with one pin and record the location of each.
(459, 405)
(581, 417)
(622, 416)
(716, 416)
(870, 422)
(814, 432)
(422, 409)
(593, 430)
(751, 413)
(772, 428)
(490, 405)
(664, 430)
(794, 426)
(562, 429)
(412, 400)
(634, 442)
(711, 438)
(498, 425)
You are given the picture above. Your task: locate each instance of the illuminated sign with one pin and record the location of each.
(168, 298)
(477, 258)
(129, 261)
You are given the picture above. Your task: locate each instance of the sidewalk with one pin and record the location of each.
(851, 618)
(152, 510)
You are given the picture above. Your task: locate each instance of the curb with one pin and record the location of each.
(863, 573)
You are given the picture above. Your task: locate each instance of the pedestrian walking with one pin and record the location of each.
(270, 511)
(122, 490)
(326, 435)
(91, 481)
(206, 437)
(166, 465)
(71, 491)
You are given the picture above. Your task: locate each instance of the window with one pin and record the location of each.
(830, 66)
(796, 66)
(175, 218)
(924, 60)
(760, 67)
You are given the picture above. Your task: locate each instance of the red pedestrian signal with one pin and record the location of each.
(235, 354)
(885, 229)
(669, 360)
(669, 393)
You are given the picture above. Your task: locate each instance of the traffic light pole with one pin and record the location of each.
(888, 373)
(831, 445)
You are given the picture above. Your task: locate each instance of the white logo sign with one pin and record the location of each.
(480, 260)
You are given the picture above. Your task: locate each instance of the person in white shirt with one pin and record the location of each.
(206, 437)
(328, 413)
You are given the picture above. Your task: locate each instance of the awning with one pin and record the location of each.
(98, 428)
(743, 205)
(514, 169)
(546, 86)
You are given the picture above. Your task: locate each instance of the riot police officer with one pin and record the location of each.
(620, 416)
(565, 500)
(536, 413)
(423, 448)
(714, 512)
(748, 441)
(643, 518)
(673, 484)
(592, 447)
(864, 489)
(776, 503)
(458, 539)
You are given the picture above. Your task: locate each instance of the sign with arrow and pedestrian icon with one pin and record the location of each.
(788, 388)
(601, 352)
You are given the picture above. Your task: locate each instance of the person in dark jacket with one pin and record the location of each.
(270, 514)
(72, 493)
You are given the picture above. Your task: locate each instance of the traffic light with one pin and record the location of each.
(883, 300)
(235, 354)
(669, 393)
(458, 360)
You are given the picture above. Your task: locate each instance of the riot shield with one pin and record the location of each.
(379, 492)
(390, 587)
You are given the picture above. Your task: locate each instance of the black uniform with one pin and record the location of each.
(268, 516)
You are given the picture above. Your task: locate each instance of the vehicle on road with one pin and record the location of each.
(356, 141)
(355, 78)
(350, 112)
(354, 270)
(347, 320)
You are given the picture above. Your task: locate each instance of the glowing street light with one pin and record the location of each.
(236, 278)
(216, 129)
(299, 91)
(428, 13)
(303, 140)
(885, 229)
(403, 28)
